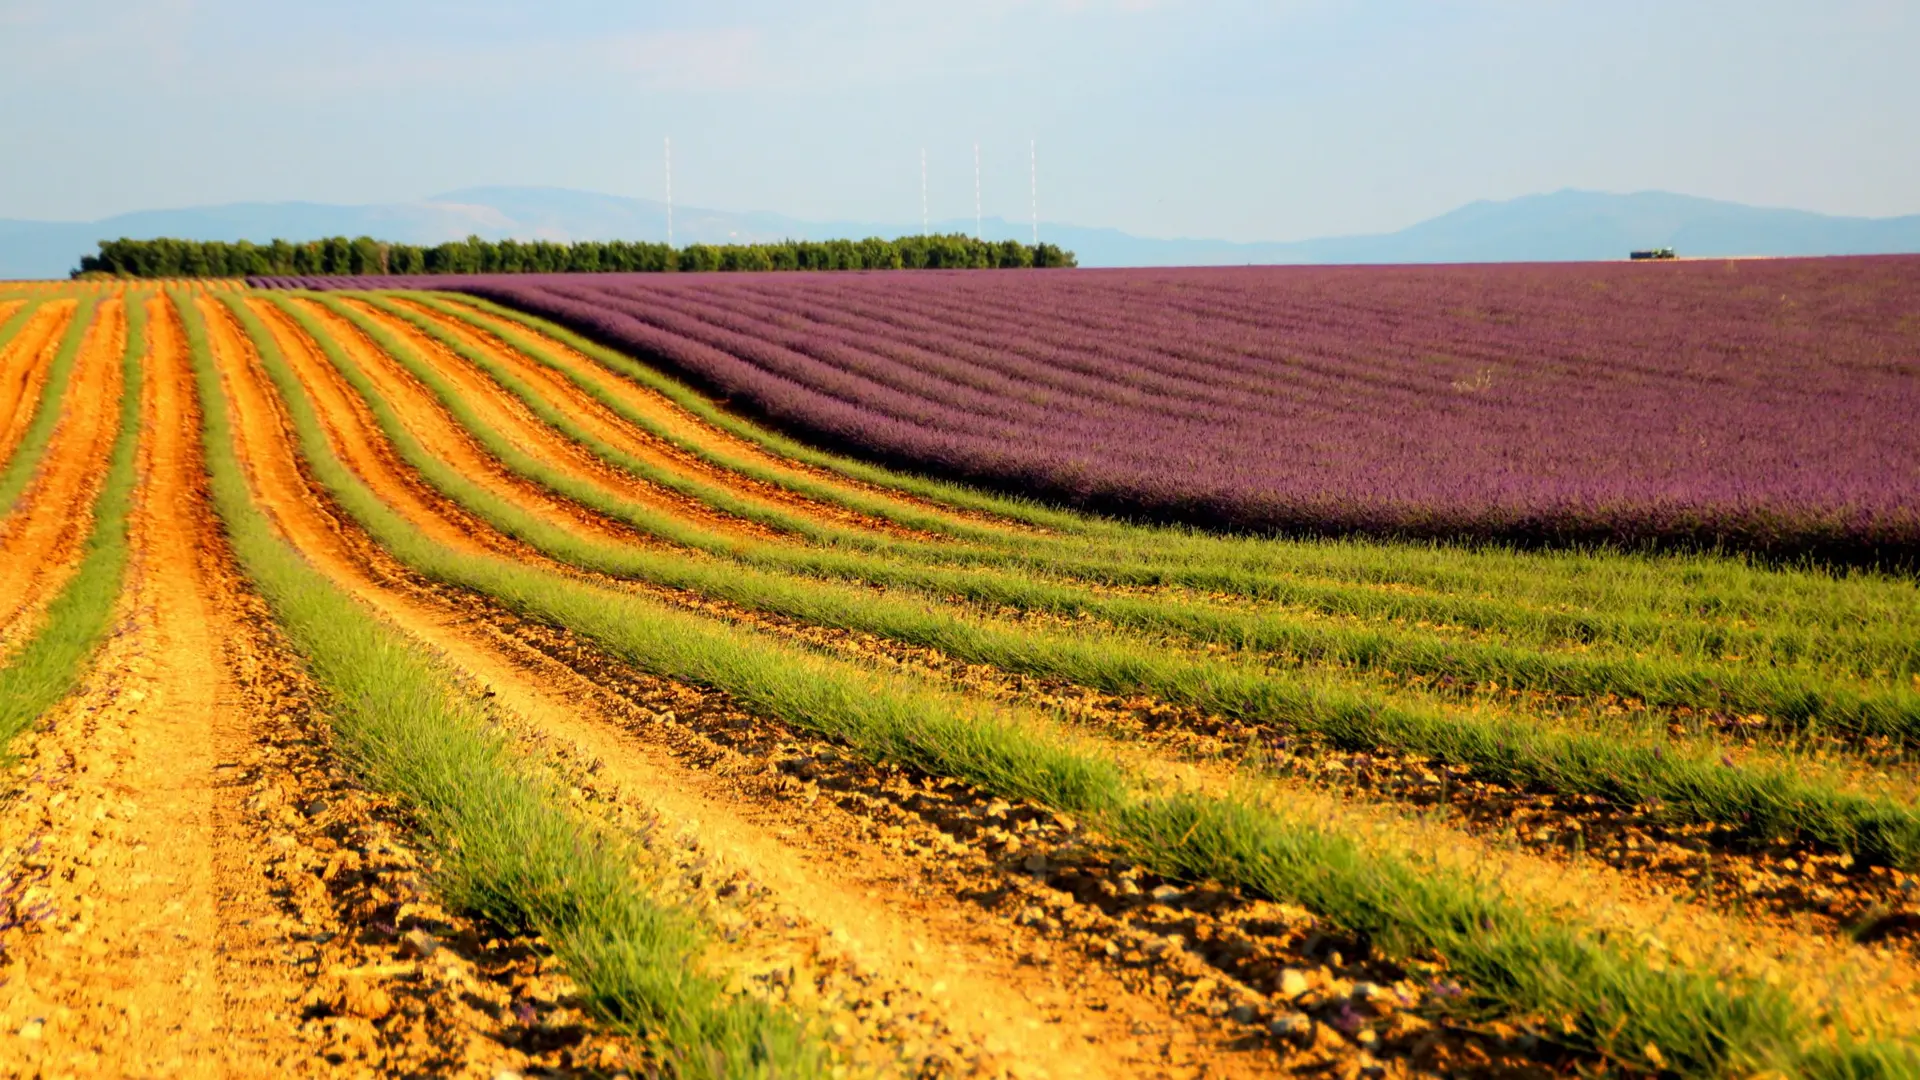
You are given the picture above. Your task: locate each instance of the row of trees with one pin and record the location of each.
(365, 255)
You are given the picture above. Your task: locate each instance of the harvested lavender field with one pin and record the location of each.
(1758, 405)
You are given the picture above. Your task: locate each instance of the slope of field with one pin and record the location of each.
(1757, 405)
(462, 697)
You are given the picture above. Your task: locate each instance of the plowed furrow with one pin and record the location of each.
(1713, 860)
(606, 425)
(1702, 936)
(1767, 947)
(153, 959)
(23, 370)
(423, 416)
(508, 415)
(390, 983)
(831, 878)
(352, 432)
(695, 431)
(41, 539)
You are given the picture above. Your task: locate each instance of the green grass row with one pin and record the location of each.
(49, 666)
(20, 468)
(1687, 781)
(1514, 957)
(1797, 700)
(508, 850)
(1696, 606)
(17, 321)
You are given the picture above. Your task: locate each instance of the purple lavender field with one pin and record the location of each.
(1762, 405)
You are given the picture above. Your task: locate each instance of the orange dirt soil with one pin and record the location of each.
(163, 970)
(608, 426)
(913, 944)
(1764, 947)
(429, 423)
(191, 884)
(23, 369)
(685, 425)
(510, 416)
(193, 888)
(40, 541)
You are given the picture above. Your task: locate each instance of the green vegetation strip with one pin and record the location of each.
(1797, 700)
(1513, 956)
(20, 468)
(507, 848)
(1676, 780)
(1865, 624)
(18, 320)
(76, 621)
(506, 326)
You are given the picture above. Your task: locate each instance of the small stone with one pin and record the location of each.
(1166, 894)
(358, 998)
(1293, 983)
(1365, 991)
(1034, 863)
(418, 945)
(31, 1029)
(1290, 1026)
(1170, 943)
(1243, 1014)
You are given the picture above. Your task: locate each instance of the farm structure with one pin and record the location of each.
(410, 683)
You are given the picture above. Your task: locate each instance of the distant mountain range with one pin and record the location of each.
(1561, 226)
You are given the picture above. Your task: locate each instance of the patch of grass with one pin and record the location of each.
(49, 666)
(508, 849)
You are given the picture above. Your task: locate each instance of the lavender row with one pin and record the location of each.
(1761, 404)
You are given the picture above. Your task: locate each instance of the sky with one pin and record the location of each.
(1230, 119)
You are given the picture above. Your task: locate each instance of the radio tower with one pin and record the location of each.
(669, 191)
(1033, 180)
(976, 189)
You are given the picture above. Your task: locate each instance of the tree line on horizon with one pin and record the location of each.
(363, 256)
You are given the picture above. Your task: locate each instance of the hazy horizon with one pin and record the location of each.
(1230, 119)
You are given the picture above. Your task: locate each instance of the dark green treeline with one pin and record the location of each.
(365, 255)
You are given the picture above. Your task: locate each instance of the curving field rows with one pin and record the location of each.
(1754, 406)
(398, 684)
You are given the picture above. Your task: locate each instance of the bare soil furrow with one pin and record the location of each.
(398, 986)
(40, 541)
(930, 968)
(511, 417)
(1556, 886)
(695, 431)
(1801, 890)
(605, 424)
(23, 369)
(428, 422)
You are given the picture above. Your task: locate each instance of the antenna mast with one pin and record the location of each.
(923, 191)
(669, 191)
(976, 189)
(1033, 179)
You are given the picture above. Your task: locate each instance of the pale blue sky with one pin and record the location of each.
(1225, 118)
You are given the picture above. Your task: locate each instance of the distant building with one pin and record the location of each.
(1653, 253)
